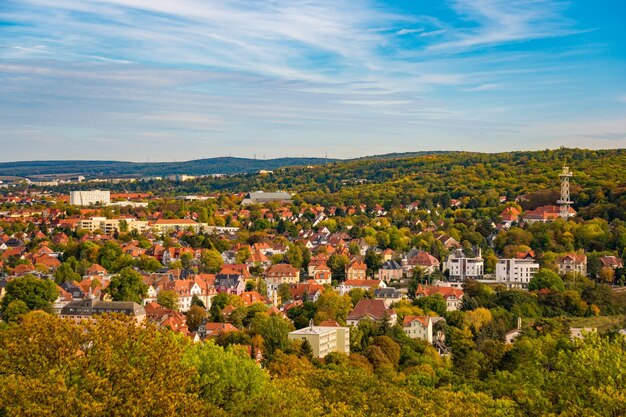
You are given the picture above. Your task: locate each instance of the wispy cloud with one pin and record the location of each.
(483, 87)
(224, 73)
(505, 21)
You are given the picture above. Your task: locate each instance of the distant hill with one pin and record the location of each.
(221, 165)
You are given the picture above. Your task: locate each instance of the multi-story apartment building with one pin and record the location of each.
(109, 226)
(462, 267)
(324, 339)
(516, 273)
(91, 197)
(168, 225)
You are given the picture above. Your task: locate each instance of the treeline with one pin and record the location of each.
(598, 185)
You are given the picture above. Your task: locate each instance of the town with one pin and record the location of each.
(269, 273)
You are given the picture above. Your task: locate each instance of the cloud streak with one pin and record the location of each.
(305, 74)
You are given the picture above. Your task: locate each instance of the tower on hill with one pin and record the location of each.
(565, 202)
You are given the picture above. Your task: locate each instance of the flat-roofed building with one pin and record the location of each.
(260, 197)
(463, 267)
(91, 197)
(167, 225)
(324, 339)
(110, 226)
(516, 273)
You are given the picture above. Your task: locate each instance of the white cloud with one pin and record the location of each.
(505, 21)
(483, 87)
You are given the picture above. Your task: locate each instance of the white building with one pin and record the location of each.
(462, 267)
(418, 327)
(516, 273)
(109, 226)
(324, 339)
(168, 225)
(92, 197)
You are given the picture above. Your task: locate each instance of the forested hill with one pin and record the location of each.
(221, 165)
(478, 179)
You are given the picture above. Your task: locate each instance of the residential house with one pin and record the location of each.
(509, 216)
(364, 284)
(281, 274)
(453, 296)
(322, 274)
(418, 327)
(390, 270)
(213, 330)
(388, 295)
(448, 241)
(572, 263)
(356, 270)
(612, 262)
(310, 290)
(545, 214)
(419, 258)
(230, 283)
(373, 310)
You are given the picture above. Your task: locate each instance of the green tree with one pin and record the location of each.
(109, 255)
(211, 261)
(168, 299)
(337, 264)
(274, 331)
(186, 259)
(65, 273)
(373, 260)
(127, 286)
(195, 315)
(148, 263)
(306, 351)
(36, 293)
(284, 292)
(14, 311)
(547, 279)
(56, 367)
(435, 303)
(332, 306)
(227, 378)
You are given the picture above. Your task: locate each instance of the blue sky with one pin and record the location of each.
(166, 80)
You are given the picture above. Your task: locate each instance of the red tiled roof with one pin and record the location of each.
(445, 292)
(409, 319)
(362, 283)
(374, 308)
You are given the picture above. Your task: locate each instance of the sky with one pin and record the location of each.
(163, 80)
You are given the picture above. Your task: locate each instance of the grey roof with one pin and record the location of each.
(387, 293)
(391, 264)
(228, 280)
(263, 197)
(90, 307)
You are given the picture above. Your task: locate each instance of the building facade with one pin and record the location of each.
(516, 273)
(88, 198)
(324, 340)
(462, 267)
